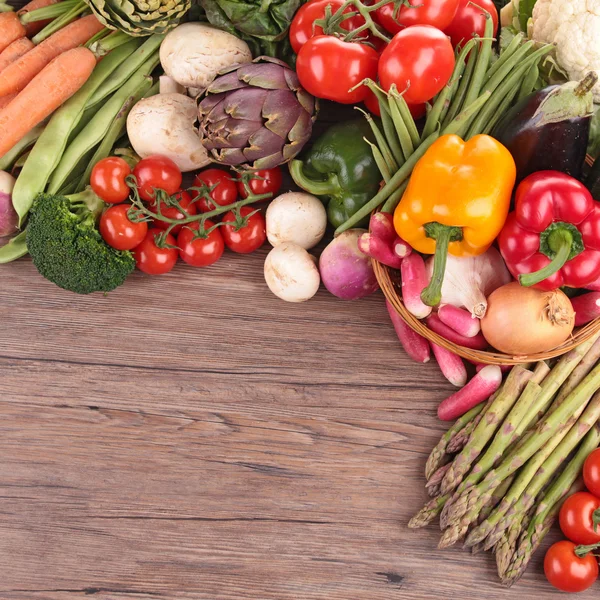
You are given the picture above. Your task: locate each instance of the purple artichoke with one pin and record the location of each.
(256, 114)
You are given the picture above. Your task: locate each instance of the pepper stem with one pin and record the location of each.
(562, 244)
(325, 187)
(443, 235)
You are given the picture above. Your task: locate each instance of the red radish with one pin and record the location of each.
(415, 345)
(451, 365)
(401, 248)
(503, 368)
(478, 390)
(586, 307)
(379, 249)
(381, 226)
(460, 320)
(414, 280)
(477, 342)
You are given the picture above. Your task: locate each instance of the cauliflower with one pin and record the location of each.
(574, 26)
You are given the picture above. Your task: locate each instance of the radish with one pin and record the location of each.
(8, 217)
(401, 248)
(479, 389)
(381, 226)
(503, 368)
(379, 249)
(414, 280)
(451, 365)
(477, 342)
(586, 307)
(460, 320)
(415, 345)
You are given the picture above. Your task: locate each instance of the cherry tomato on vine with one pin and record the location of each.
(156, 172)
(108, 179)
(577, 517)
(437, 13)
(566, 571)
(591, 472)
(172, 212)
(264, 181)
(224, 193)
(419, 60)
(470, 20)
(119, 231)
(248, 238)
(303, 28)
(328, 67)
(200, 251)
(153, 260)
(372, 104)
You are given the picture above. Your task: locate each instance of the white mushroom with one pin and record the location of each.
(164, 124)
(296, 217)
(193, 53)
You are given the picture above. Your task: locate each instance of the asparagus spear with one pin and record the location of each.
(428, 513)
(465, 509)
(460, 440)
(507, 544)
(433, 485)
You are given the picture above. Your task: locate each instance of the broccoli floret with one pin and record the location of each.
(67, 248)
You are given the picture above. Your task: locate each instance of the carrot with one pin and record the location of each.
(18, 74)
(35, 26)
(14, 51)
(6, 100)
(55, 84)
(11, 29)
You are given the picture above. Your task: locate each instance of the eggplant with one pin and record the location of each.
(549, 129)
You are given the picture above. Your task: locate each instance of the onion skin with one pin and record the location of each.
(521, 321)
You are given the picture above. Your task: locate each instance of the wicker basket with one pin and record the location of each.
(390, 285)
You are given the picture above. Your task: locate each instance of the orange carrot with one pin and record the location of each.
(11, 29)
(6, 100)
(50, 88)
(35, 26)
(14, 51)
(18, 74)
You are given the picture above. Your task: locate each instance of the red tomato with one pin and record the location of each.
(171, 212)
(264, 181)
(372, 104)
(469, 20)
(566, 571)
(153, 260)
(200, 252)
(248, 238)
(224, 193)
(108, 179)
(591, 472)
(119, 231)
(303, 28)
(328, 68)
(419, 60)
(156, 172)
(437, 13)
(577, 517)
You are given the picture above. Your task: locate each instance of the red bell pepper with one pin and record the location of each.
(552, 238)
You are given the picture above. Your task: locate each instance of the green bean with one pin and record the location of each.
(460, 124)
(60, 22)
(96, 129)
(457, 100)
(483, 62)
(505, 55)
(399, 124)
(408, 120)
(15, 248)
(529, 82)
(391, 203)
(505, 69)
(51, 144)
(126, 70)
(381, 142)
(9, 159)
(502, 108)
(379, 161)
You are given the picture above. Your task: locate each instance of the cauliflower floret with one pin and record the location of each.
(574, 26)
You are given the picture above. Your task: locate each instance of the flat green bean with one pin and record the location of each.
(15, 248)
(390, 204)
(483, 62)
(502, 108)
(382, 144)
(529, 82)
(505, 69)
(505, 55)
(379, 161)
(401, 129)
(9, 159)
(459, 96)
(408, 120)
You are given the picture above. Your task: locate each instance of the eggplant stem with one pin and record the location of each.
(586, 84)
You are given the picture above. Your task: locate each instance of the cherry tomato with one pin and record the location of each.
(576, 518)
(372, 104)
(119, 231)
(303, 28)
(265, 181)
(248, 238)
(200, 252)
(171, 212)
(108, 179)
(419, 60)
(153, 260)
(156, 172)
(328, 68)
(591, 472)
(437, 13)
(566, 571)
(469, 20)
(224, 193)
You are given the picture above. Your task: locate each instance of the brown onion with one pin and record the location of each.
(521, 320)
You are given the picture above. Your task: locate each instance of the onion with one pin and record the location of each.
(522, 320)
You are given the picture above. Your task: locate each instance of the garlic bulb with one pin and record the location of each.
(469, 280)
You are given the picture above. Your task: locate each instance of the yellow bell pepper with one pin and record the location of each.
(457, 201)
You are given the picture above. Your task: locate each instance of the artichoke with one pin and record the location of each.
(140, 17)
(256, 114)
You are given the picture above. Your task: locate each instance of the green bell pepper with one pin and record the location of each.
(340, 169)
